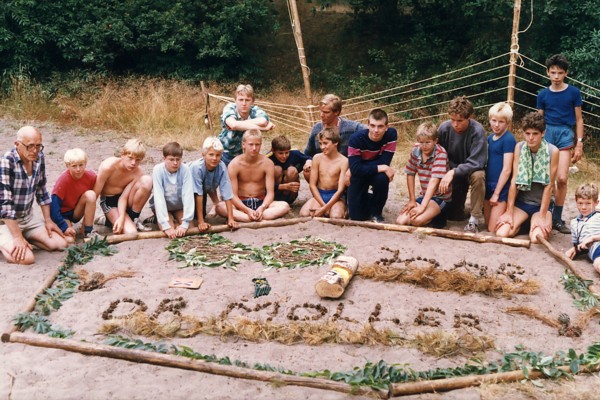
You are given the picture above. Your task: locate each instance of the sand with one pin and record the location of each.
(29, 372)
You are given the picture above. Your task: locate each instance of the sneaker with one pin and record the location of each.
(472, 227)
(561, 227)
(140, 226)
(91, 235)
(378, 219)
(151, 220)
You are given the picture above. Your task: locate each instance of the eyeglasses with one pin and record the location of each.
(31, 147)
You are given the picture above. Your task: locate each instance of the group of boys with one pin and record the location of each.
(347, 165)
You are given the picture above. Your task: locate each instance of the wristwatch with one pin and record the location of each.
(579, 139)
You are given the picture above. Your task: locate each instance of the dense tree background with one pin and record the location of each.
(363, 45)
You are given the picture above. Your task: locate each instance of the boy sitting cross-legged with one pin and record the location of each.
(430, 161)
(327, 178)
(123, 188)
(288, 164)
(172, 198)
(73, 196)
(585, 229)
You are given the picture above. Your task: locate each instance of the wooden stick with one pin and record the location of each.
(31, 304)
(429, 231)
(173, 361)
(112, 239)
(566, 261)
(440, 385)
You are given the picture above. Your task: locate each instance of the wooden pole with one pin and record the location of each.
(300, 45)
(429, 231)
(207, 118)
(442, 385)
(566, 262)
(31, 304)
(213, 229)
(514, 52)
(173, 361)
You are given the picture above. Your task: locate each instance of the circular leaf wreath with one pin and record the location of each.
(298, 253)
(209, 250)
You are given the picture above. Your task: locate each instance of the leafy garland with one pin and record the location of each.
(579, 288)
(208, 250)
(298, 253)
(67, 280)
(381, 374)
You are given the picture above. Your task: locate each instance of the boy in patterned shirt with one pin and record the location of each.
(585, 229)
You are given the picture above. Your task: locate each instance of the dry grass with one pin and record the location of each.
(535, 314)
(436, 279)
(443, 343)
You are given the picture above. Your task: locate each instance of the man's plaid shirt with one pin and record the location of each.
(17, 190)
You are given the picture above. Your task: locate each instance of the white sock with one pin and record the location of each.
(473, 220)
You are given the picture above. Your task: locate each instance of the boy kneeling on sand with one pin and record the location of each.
(73, 196)
(585, 229)
(124, 189)
(327, 178)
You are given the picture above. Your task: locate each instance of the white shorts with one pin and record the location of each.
(28, 224)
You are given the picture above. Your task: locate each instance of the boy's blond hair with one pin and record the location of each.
(244, 89)
(332, 134)
(135, 148)
(75, 155)
(427, 130)
(212, 142)
(333, 101)
(252, 133)
(501, 110)
(587, 191)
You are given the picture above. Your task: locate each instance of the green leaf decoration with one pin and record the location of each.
(298, 253)
(208, 250)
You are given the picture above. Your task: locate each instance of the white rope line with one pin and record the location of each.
(438, 93)
(287, 115)
(543, 76)
(428, 86)
(395, 123)
(427, 79)
(525, 91)
(532, 82)
(526, 106)
(570, 78)
(261, 102)
(282, 122)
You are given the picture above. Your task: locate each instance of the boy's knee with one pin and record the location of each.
(597, 265)
(145, 182)
(292, 173)
(89, 196)
(477, 178)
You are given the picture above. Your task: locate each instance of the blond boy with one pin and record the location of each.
(585, 229)
(123, 188)
(238, 117)
(327, 178)
(209, 173)
(253, 183)
(73, 196)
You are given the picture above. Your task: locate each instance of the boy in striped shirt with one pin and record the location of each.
(585, 229)
(430, 161)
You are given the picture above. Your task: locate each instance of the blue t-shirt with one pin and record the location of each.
(296, 159)
(206, 181)
(559, 107)
(496, 150)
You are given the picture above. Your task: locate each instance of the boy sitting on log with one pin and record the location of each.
(73, 197)
(327, 175)
(124, 189)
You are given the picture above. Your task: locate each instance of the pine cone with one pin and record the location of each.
(564, 319)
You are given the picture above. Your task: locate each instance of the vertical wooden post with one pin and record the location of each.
(207, 118)
(514, 52)
(300, 45)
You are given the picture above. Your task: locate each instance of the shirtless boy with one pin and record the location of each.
(253, 182)
(327, 178)
(123, 188)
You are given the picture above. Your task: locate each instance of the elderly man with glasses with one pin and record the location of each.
(23, 178)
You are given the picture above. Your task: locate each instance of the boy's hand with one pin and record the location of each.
(118, 225)
(232, 223)
(307, 166)
(446, 181)
(258, 214)
(180, 231)
(409, 206)
(494, 200)
(171, 233)
(577, 153)
(203, 226)
(416, 211)
(269, 126)
(505, 218)
(571, 252)
(291, 186)
(586, 244)
(70, 232)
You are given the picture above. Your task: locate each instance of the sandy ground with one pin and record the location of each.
(28, 372)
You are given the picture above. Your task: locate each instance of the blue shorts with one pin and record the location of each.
(252, 202)
(561, 136)
(594, 254)
(326, 195)
(441, 203)
(491, 187)
(530, 209)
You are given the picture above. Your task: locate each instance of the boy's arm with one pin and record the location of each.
(578, 152)
(187, 194)
(547, 194)
(55, 214)
(314, 180)
(506, 218)
(341, 185)
(232, 171)
(122, 209)
(160, 203)
(507, 165)
(103, 173)
(199, 200)
(269, 170)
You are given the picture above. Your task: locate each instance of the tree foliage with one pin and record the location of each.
(198, 38)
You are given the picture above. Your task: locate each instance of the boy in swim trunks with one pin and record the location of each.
(288, 164)
(253, 184)
(123, 188)
(327, 178)
(429, 160)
